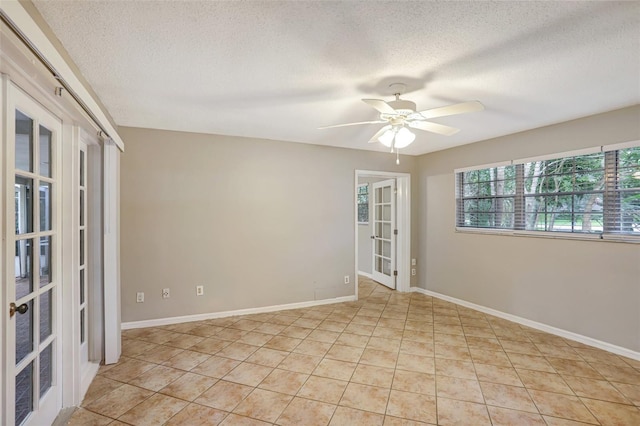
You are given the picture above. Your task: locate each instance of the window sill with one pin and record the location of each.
(614, 238)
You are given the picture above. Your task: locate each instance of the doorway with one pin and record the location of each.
(383, 234)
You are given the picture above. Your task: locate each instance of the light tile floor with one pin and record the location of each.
(387, 359)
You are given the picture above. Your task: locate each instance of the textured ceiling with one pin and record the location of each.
(280, 69)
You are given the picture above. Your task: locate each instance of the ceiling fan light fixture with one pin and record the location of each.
(401, 114)
(387, 137)
(404, 138)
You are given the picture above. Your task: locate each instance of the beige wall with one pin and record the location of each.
(587, 287)
(257, 222)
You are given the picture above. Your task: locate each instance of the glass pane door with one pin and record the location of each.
(384, 249)
(33, 275)
(82, 255)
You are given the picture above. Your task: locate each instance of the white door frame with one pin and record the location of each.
(111, 251)
(403, 224)
(4, 84)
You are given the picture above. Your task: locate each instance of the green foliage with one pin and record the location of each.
(362, 195)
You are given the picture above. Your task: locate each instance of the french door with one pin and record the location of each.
(384, 241)
(83, 276)
(32, 273)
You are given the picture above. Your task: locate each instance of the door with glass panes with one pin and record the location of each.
(83, 276)
(384, 238)
(32, 272)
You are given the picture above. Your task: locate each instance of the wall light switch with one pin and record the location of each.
(139, 297)
(413, 262)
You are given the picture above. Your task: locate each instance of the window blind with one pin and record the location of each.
(622, 195)
(585, 192)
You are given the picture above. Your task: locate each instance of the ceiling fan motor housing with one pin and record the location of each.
(403, 106)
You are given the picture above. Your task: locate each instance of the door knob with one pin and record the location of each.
(19, 309)
(373, 237)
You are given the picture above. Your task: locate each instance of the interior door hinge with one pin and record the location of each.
(395, 232)
(395, 273)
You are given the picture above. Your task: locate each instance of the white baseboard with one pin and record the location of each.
(619, 350)
(249, 311)
(365, 274)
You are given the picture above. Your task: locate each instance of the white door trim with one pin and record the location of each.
(70, 393)
(4, 86)
(111, 252)
(403, 222)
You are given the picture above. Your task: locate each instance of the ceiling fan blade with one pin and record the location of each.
(380, 105)
(440, 129)
(375, 137)
(353, 124)
(460, 108)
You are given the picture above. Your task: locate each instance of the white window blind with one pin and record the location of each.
(622, 215)
(592, 191)
(486, 197)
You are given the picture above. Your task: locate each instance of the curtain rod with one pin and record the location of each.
(21, 36)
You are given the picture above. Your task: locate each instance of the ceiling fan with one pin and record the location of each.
(401, 114)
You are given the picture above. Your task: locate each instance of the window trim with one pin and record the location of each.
(610, 238)
(566, 154)
(605, 235)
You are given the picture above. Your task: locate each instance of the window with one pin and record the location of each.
(363, 203)
(594, 193)
(488, 197)
(564, 194)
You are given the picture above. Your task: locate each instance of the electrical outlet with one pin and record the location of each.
(346, 279)
(413, 262)
(139, 297)
(165, 293)
(199, 290)
(413, 271)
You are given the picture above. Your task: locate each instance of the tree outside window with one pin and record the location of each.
(363, 203)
